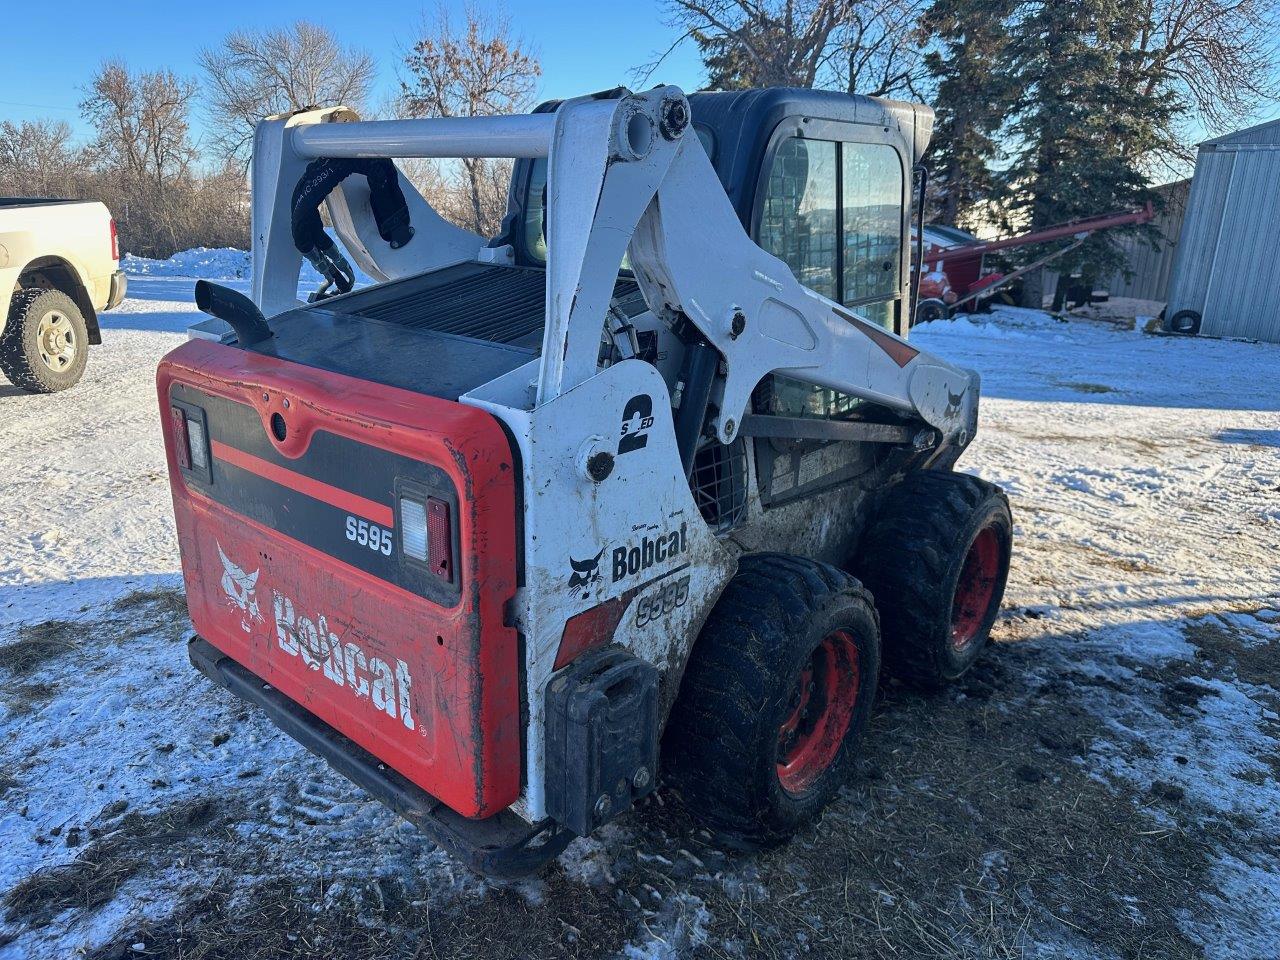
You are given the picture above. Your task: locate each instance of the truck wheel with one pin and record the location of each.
(45, 343)
(929, 311)
(775, 698)
(936, 559)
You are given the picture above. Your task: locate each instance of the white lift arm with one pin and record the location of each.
(624, 175)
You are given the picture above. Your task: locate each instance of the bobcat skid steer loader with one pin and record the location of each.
(513, 531)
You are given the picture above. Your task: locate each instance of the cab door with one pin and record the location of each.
(832, 203)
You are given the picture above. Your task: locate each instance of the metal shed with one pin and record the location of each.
(1226, 275)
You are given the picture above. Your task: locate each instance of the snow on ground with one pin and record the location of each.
(209, 263)
(1141, 628)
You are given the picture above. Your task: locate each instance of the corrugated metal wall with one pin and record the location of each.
(1149, 267)
(1227, 267)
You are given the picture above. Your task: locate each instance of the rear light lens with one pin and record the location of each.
(439, 539)
(413, 529)
(426, 534)
(191, 440)
(181, 442)
(115, 242)
(197, 443)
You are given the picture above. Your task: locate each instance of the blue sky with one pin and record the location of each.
(582, 46)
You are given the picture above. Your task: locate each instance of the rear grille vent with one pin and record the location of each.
(483, 301)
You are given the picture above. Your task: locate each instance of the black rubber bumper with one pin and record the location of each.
(503, 845)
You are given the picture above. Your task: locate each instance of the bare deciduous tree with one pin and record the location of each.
(479, 70)
(862, 46)
(37, 159)
(1216, 58)
(141, 121)
(761, 43)
(879, 46)
(143, 161)
(255, 73)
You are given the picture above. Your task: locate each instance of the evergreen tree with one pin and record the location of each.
(974, 98)
(1085, 119)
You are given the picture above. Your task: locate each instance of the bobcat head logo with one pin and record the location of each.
(953, 403)
(585, 573)
(239, 588)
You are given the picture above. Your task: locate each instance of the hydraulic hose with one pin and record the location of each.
(390, 212)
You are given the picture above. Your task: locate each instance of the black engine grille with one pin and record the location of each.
(500, 304)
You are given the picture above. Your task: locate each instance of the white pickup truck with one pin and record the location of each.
(59, 267)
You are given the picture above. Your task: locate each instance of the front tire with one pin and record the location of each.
(45, 343)
(776, 696)
(936, 559)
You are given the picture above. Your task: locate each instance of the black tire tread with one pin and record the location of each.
(24, 372)
(725, 683)
(903, 561)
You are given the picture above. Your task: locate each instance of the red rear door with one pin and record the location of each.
(354, 545)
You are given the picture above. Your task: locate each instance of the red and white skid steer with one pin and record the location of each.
(512, 532)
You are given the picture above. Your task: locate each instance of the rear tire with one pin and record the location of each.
(45, 343)
(776, 696)
(936, 559)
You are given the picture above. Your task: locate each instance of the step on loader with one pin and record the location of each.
(515, 531)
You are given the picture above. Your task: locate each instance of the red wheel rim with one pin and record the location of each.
(976, 588)
(821, 709)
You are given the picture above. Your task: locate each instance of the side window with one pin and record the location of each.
(535, 215)
(798, 223)
(872, 228)
(781, 396)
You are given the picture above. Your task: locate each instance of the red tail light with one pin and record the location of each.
(115, 242)
(439, 538)
(181, 442)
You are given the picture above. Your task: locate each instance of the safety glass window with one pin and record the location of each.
(535, 216)
(798, 222)
(872, 208)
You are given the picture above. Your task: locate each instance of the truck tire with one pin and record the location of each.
(775, 698)
(936, 559)
(45, 343)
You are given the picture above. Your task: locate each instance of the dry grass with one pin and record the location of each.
(977, 826)
(93, 878)
(38, 643)
(157, 601)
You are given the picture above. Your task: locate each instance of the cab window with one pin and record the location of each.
(798, 223)
(821, 190)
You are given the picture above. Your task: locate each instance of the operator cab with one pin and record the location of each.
(819, 179)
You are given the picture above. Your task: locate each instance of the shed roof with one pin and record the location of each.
(1264, 134)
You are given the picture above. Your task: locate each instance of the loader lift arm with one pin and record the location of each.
(624, 177)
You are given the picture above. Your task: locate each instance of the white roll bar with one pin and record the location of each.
(523, 135)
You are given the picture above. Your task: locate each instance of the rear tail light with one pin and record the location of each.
(426, 534)
(115, 242)
(197, 443)
(439, 539)
(190, 439)
(413, 529)
(181, 442)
